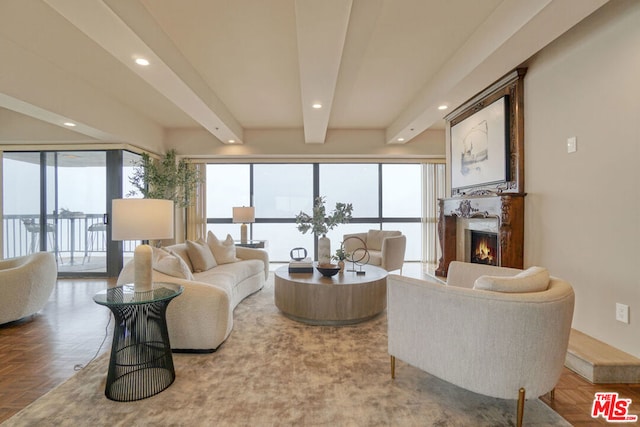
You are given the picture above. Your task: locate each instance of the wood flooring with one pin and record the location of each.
(41, 352)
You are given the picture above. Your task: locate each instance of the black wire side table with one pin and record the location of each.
(141, 364)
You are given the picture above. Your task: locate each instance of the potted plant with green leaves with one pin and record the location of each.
(340, 256)
(166, 178)
(319, 223)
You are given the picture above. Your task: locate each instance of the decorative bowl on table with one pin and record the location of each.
(328, 270)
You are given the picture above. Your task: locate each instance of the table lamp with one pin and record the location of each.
(142, 219)
(244, 214)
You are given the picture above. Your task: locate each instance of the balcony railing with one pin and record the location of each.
(74, 236)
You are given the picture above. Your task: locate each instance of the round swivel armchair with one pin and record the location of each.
(26, 284)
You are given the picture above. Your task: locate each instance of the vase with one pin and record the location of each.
(341, 265)
(324, 250)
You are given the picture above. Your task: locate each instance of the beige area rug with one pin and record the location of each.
(273, 371)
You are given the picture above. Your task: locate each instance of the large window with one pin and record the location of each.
(384, 196)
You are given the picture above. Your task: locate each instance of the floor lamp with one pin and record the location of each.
(244, 214)
(142, 219)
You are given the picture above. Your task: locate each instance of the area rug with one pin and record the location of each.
(273, 371)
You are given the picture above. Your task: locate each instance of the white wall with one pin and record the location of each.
(583, 209)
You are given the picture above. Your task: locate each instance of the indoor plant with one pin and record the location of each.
(320, 223)
(165, 179)
(340, 256)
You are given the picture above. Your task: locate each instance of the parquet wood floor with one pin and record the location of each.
(39, 353)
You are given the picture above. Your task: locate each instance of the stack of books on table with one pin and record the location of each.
(302, 266)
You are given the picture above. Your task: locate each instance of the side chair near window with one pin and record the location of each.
(97, 238)
(496, 331)
(26, 284)
(33, 228)
(386, 248)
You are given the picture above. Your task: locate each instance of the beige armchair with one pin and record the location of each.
(499, 344)
(386, 248)
(26, 284)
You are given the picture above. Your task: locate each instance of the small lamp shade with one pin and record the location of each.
(142, 219)
(244, 214)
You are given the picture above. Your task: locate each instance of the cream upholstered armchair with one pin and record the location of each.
(26, 284)
(386, 247)
(495, 331)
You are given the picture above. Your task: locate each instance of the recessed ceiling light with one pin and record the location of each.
(142, 61)
(69, 124)
(443, 107)
(317, 105)
(400, 139)
(231, 141)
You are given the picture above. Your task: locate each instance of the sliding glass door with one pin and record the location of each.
(76, 199)
(58, 201)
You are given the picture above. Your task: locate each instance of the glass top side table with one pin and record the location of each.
(141, 364)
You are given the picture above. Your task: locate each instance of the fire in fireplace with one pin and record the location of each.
(484, 248)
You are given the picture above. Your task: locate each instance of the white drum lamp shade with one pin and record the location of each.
(142, 219)
(244, 215)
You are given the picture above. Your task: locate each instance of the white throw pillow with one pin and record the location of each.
(223, 250)
(170, 264)
(533, 279)
(201, 257)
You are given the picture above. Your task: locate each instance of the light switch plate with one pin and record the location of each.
(622, 313)
(572, 145)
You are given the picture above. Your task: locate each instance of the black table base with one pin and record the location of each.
(141, 364)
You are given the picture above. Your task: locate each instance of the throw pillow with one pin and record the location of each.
(201, 257)
(170, 264)
(223, 250)
(533, 279)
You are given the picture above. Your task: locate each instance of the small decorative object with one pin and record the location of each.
(324, 250)
(298, 254)
(320, 223)
(359, 256)
(340, 256)
(328, 270)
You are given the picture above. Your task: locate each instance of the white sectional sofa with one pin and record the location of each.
(201, 318)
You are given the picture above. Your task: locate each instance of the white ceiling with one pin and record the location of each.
(227, 66)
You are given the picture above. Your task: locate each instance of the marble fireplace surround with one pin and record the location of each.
(501, 213)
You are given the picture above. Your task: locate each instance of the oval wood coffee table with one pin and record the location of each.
(343, 299)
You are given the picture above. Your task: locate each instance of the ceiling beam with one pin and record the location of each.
(37, 88)
(321, 30)
(514, 32)
(100, 22)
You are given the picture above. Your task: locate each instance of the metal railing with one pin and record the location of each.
(74, 237)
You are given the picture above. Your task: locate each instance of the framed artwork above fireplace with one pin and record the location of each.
(479, 147)
(486, 140)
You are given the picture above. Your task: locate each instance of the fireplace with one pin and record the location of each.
(482, 247)
(502, 214)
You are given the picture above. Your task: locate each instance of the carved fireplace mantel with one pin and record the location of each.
(506, 208)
